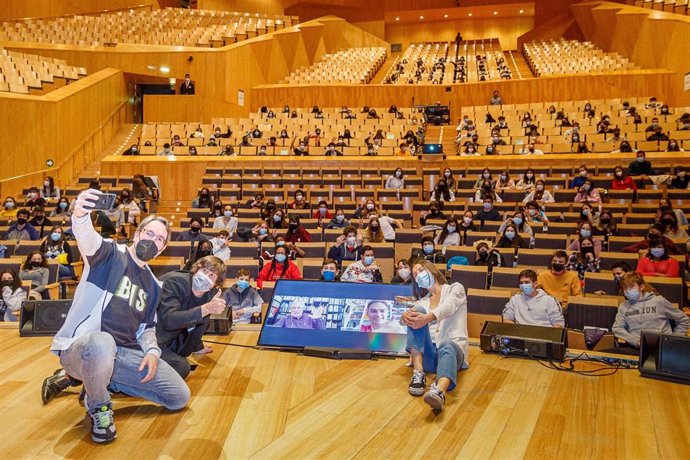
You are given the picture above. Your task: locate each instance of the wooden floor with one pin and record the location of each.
(249, 403)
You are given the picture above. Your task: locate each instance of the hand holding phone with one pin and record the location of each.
(92, 199)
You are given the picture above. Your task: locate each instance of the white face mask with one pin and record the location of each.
(404, 273)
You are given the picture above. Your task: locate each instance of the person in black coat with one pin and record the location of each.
(187, 87)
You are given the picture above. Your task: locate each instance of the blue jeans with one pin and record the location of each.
(9, 316)
(444, 359)
(65, 271)
(103, 367)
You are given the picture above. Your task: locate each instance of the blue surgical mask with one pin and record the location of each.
(228, 214)
(639, 159)
(368, 260)
(585, 233)
(328, 275)
(55, 236)
(487, 206)
(262, 231)
(428, 248)
(242, 284)
(201, 282)
(657, 252)
(632, 294)
(280, 243)
(517, 220)
(339, 218)
(510, 235)
(277, 218)
(63, 205)
(280, 258)
(424, 280)
(527, 288)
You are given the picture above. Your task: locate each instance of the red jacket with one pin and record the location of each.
(301, 235)
(317, 215)
(649, 267)
(292, 273)
(626, 184)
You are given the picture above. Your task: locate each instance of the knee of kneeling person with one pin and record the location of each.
(100, 343)
(178, 399)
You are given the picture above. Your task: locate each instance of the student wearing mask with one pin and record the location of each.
(605, 225)
(21, 229)
(557, 281)
(484, 176)
(403, 272)
(227, 221)
(533, 306)
(434, 212)
(657, 261)
(487, 256)
(39, 219)
(540, 194)
(194, 232)
(329, 271)
(260, 233)
(299, 202)
(527, 180)
(293, 251)
(656, 230)
(450, 234)
(640, 166)
(187, 301)
(621, 181)
(132, 150)
(278, 220)
(531, 150)
(510, 238)
(257, 202)
(33, 198)
(585, 260)
(587, 193)
(217, 210)
(450, 179)
(437, 337)
(49, 191)
(396, 181)
(9, 208)
(56, 247)
(504, 182)
(268, 210)
(220, 245)
(681, 180)
(373, 233)
(666, 205)
(520, 223)
(339, 220)
(61, 212)
(487, 190)
(322, 213)
(296, 233)
(203, 248)
(387, 225)
(348, 246)
(11, 295)
(644, 310)
(535, 216)
(129, 205)
(364, 270)
(671, 228)
(585, 230)
(279, 268)
(302, 148)
(488, 212)
(442, 192)
(204, 200)
(363, 209)
(673, 146)
(243, 299)
(428, 252)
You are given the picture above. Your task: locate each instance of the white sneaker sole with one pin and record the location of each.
(434, 401)
(416, 391)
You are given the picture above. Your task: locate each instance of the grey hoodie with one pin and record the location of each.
(651, 313)
(248, 300)
(540, 310)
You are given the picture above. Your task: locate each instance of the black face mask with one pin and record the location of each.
(374, 228)
(218, 206)
(146, 250)
(21, 220)
(35, 264)
(293, 226)
(585, 251)
(203, 253)
(668, 221)
(557, 267)
(6, 283)
(483, 255)
(195, 229)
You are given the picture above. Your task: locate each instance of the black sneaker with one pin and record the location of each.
(435, 398)
(417, 384)
(102, 424)
(55, 384)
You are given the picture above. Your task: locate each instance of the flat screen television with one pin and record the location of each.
(339, 316)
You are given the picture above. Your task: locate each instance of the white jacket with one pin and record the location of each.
(451, 317)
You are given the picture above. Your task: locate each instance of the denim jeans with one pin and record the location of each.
(444, 359)
(8, 316)
(103, 367)
(65, 271)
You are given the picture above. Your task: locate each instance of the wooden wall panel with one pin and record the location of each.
(556, 88)
(507, 30)
(650, 38)
(17, 9)
(69, 125)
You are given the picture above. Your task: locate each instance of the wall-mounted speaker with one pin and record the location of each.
(665, 357)
(42, 317)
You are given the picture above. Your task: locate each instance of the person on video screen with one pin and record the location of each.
(300, 319)
(379, 319)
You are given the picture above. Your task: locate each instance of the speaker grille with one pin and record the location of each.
(674, 356)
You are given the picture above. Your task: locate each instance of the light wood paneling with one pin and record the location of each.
(18, 9)
(70, 125)
(267, 404)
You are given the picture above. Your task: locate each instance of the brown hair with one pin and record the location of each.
(243, 272)
(213, 264)
(630, 279)
(431, 268)
(528, 273)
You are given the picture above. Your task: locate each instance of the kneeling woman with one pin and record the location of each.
(437, 334)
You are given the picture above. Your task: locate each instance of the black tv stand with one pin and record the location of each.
(335, 353)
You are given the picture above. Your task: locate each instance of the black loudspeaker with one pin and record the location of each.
(665, 357)
(220, 324)
(42, 317)
(523, 340)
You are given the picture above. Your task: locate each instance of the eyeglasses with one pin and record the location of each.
(159, 240)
